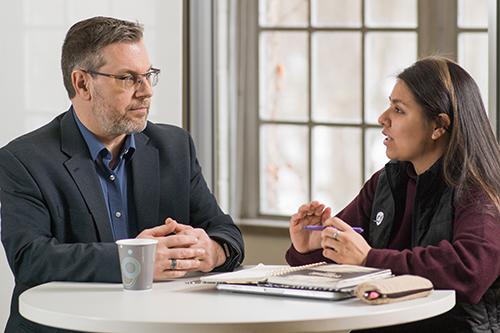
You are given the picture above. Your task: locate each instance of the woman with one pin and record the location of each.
(434, 209)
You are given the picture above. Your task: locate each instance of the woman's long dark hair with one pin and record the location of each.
(472, 159)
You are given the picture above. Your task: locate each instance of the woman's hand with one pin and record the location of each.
(342, 244)
(313, 213)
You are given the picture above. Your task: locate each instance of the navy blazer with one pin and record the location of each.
(55, 224)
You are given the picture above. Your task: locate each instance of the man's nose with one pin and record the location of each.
(145, 89)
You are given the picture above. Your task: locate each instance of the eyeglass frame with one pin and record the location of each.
(136, 78)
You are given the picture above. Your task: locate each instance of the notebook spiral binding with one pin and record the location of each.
(296, 268)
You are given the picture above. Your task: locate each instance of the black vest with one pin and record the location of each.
(431, 222)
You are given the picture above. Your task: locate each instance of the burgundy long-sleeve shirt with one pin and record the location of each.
(469, 264)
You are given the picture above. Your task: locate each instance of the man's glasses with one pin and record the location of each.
(129, 81)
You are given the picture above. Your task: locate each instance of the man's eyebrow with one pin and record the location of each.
(130, 71)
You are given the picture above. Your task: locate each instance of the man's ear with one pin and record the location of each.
(441, 125)
(81, 82)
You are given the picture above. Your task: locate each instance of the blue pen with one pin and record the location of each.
(322, 227)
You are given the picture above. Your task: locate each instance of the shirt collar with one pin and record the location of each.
(96, 147)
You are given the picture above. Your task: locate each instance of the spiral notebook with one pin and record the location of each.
(318, 280)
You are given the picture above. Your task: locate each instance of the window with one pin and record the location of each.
(313, 76)
(473, 41)
(323, 80)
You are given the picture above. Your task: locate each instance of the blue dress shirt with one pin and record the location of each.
(113, 180)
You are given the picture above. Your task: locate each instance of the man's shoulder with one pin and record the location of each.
(164, 129)
(38, 139)
(161, 132)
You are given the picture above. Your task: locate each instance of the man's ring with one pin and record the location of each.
(335, 234)
(173, 264)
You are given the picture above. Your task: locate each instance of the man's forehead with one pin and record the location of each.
(131, 56)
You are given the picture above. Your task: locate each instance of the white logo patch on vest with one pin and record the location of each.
(379, 218)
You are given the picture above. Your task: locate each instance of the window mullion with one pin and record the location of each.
(437, 28)
(310, 122)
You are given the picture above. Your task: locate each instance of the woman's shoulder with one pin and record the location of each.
(475, 200)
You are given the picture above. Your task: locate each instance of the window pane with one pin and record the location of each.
(387, 54)
(391, 13)
(375, 156)
(473, 13)
(337, 77)
(283, 76)
(473, 56)
(283, 168)
(283, 13)
(336, 13)
(336, 165)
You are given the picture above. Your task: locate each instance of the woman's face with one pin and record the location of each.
(408, 132)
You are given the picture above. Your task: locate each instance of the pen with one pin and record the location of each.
(321, 227)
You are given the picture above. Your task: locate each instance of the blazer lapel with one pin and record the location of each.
(82, 170)
(146, 182)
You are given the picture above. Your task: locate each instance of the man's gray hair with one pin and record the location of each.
(85, 40)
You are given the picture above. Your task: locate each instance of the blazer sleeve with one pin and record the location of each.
(205, 213)
(27, 230)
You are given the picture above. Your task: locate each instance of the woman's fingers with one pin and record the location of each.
(326, 215)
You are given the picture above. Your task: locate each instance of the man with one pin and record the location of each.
(100, 172)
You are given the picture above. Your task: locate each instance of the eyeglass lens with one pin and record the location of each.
(136, 80)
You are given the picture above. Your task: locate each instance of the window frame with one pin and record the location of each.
(253, 199)
(493, 65)
(425, 42)
(242, 189)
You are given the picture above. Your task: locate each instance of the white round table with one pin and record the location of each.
(179, 307)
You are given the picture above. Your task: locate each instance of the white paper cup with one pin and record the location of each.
(137, 259)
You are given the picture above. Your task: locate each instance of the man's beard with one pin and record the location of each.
(113, 123)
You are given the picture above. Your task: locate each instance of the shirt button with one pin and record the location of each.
(118, 214)
(112, 177)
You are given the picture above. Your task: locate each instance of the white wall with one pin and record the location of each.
(31, 88)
